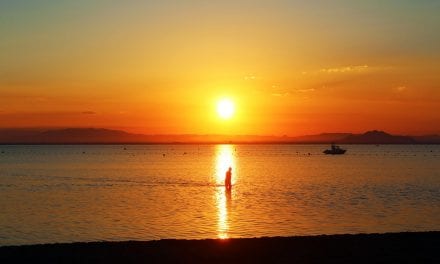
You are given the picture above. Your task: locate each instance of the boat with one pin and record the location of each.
(334, 150)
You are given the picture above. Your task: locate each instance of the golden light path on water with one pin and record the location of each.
(224, 159)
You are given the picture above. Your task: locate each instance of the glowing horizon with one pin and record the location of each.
(290, 68)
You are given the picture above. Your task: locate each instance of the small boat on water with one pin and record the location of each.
(334, 150)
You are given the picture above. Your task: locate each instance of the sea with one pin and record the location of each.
(79, 193)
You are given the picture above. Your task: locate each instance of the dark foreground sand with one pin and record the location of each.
(372, 248)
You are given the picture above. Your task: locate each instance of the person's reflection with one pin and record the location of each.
(224, 206)
(228, 202)
(228, 199)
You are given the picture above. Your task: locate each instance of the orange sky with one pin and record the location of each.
(159, 68)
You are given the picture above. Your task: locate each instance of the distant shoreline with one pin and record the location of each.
(94, 136)
(405, 247)
(209, 143)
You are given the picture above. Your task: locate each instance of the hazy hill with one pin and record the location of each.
(108, 136)
(429, 139)
(87, 135)
(68, 135)
(320, 138)
(377, 137)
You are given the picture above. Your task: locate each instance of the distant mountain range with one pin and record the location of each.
(108, 136)
(377, 137)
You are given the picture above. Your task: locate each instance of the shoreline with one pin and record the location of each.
(208, 143)
(404, 247)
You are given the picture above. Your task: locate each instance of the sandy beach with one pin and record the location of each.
(417, 247)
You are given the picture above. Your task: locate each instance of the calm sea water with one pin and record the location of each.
(145, 192)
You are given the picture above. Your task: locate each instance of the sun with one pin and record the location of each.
(225, 108)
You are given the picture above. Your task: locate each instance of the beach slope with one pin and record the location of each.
(414, 247)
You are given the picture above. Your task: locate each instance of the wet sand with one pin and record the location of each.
(415, 247)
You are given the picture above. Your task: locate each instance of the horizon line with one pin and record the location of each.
(46, 129)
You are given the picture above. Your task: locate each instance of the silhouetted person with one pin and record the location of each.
(228, 177)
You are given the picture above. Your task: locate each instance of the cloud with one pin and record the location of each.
(280, 94)
(345, 69)
(309, 90)
(250, 77)
(22, 96)
(349, 69)
(88, 113)
(287, 93)
(400, 89)
(278, 91)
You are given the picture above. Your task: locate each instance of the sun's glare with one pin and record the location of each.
(224, 159)
(225, 108)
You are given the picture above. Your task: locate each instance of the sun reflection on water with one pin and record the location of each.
(223, 198)
(224, 159)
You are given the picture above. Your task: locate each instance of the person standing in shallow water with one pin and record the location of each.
(228, 177)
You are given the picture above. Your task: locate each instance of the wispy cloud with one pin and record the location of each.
(280, 94)
(88, 113)
(278, 91)
(346, 69)
(250, 77)
(22, 96)
(400, 89)
(308, 90)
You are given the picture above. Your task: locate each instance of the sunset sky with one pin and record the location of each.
(160, 67)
